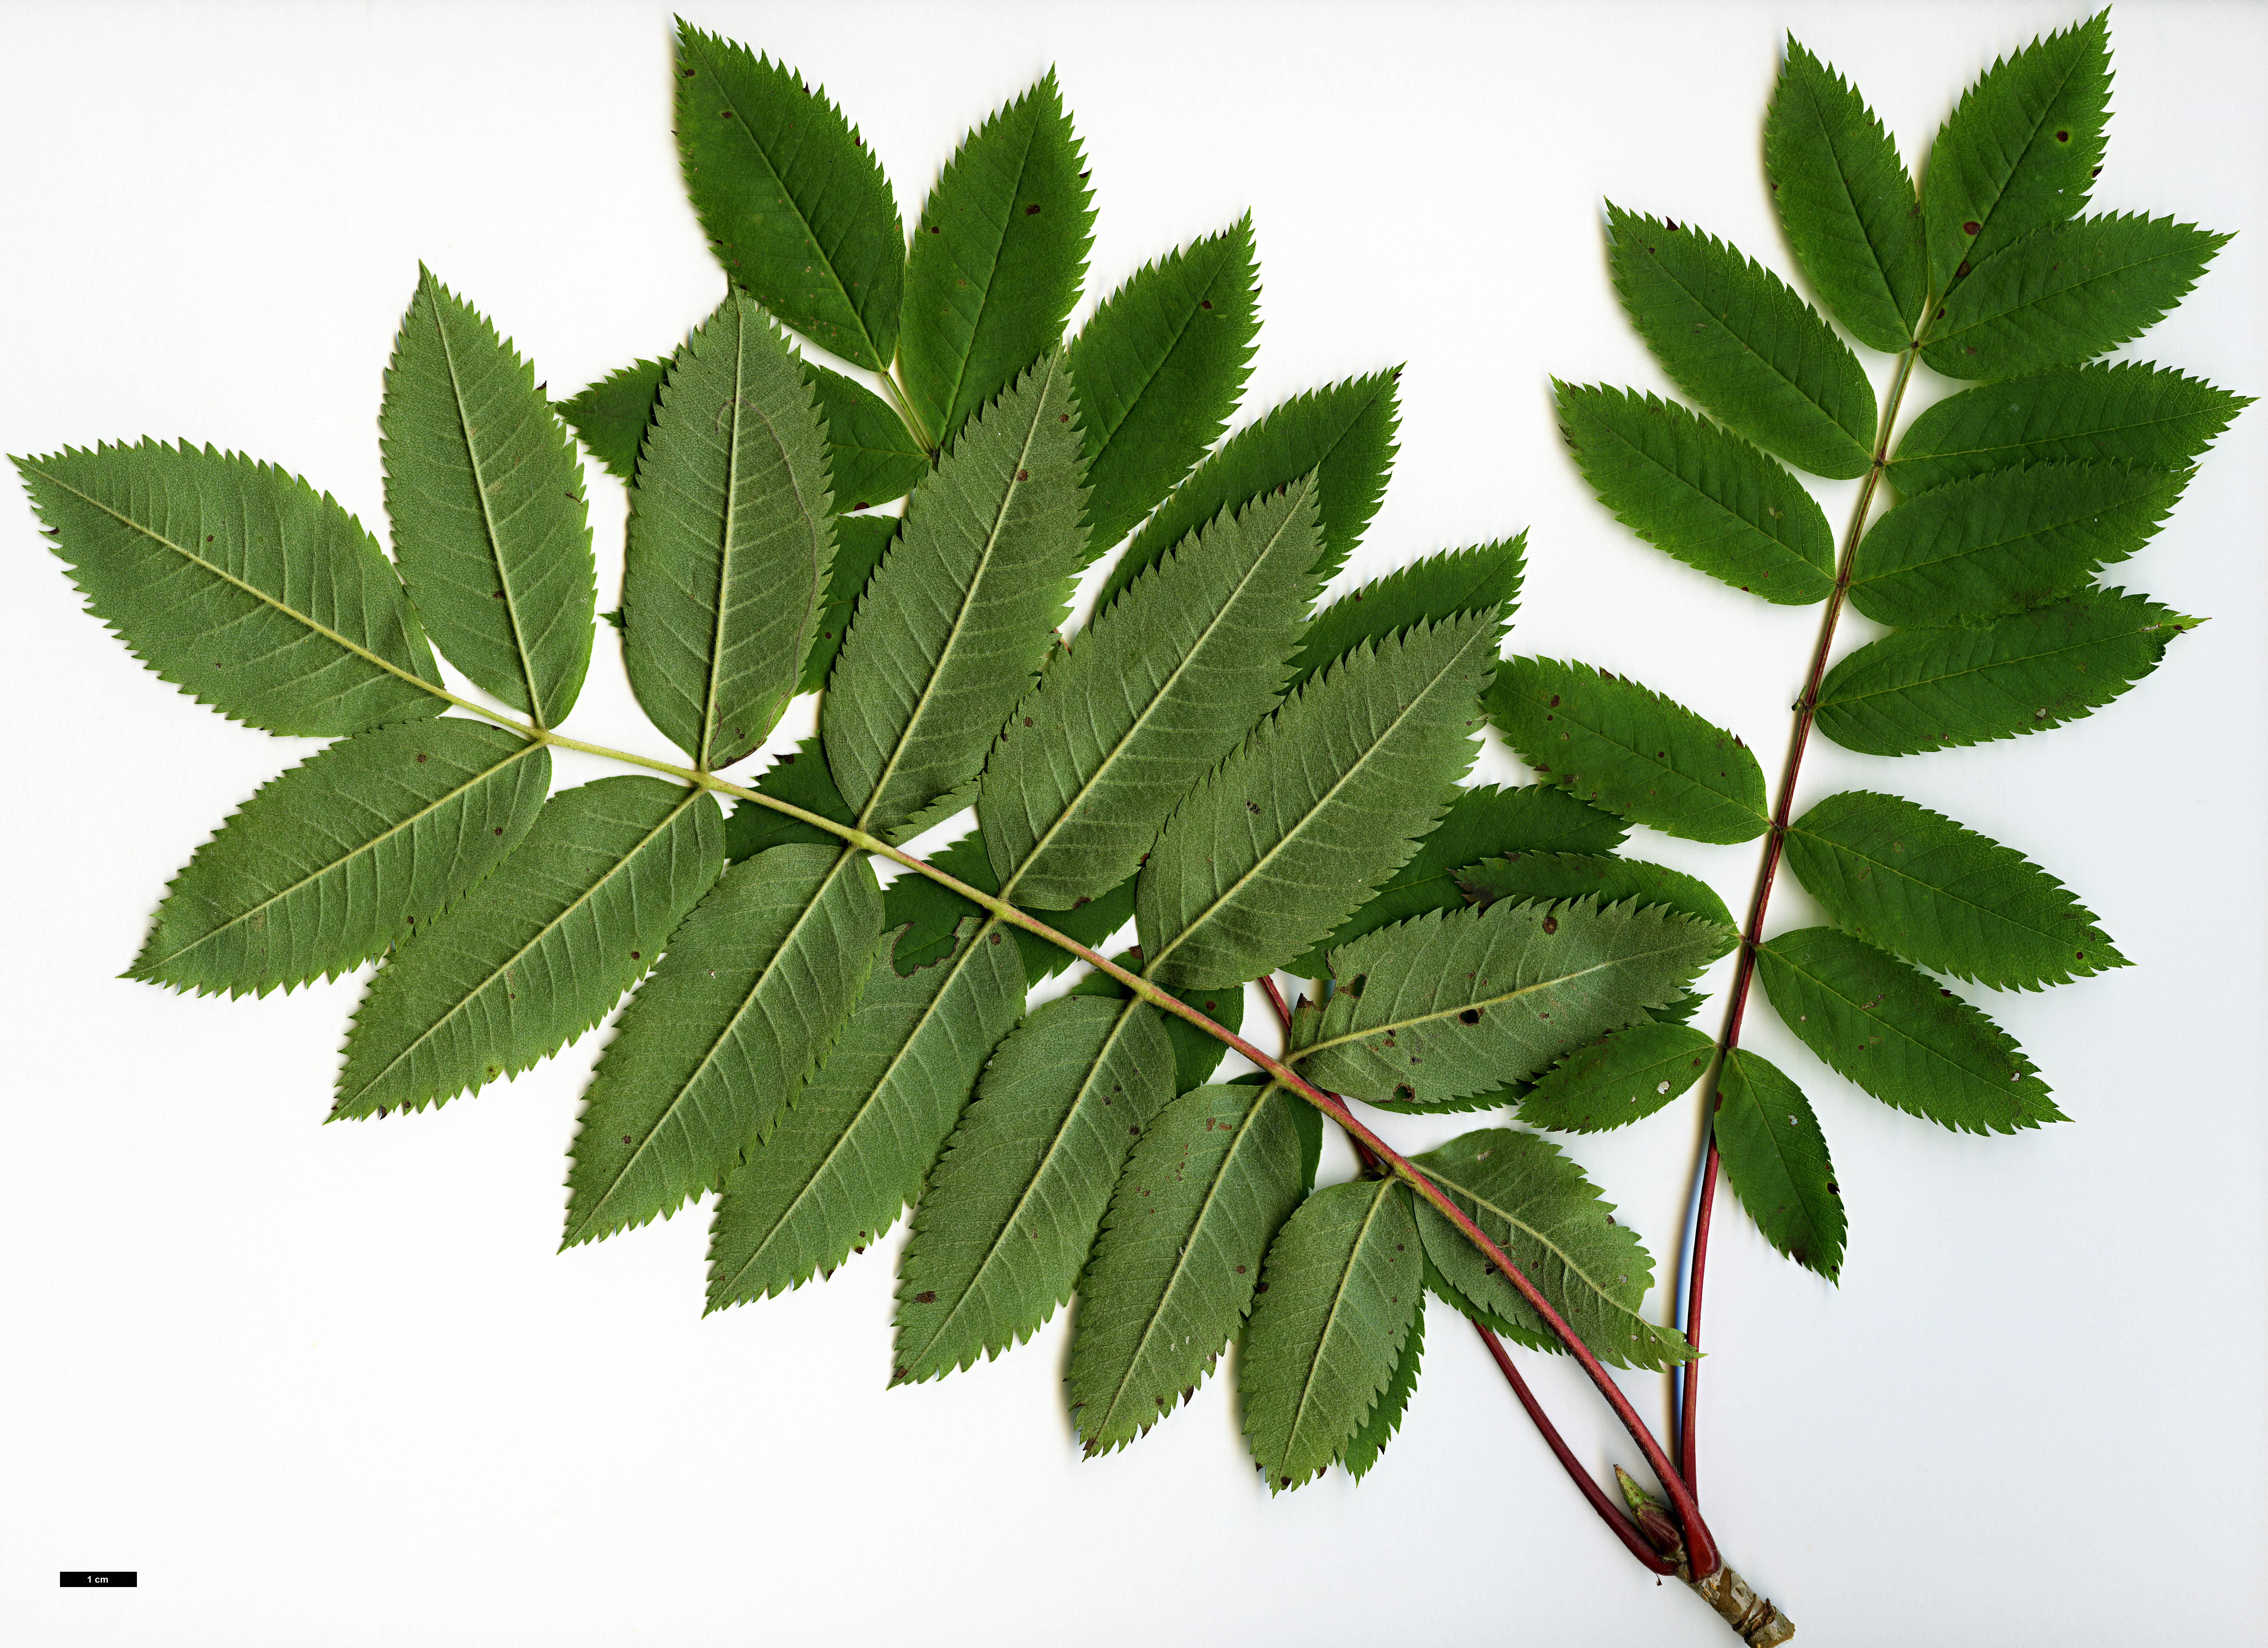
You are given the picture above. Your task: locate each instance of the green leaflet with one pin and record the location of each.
(2129, 412)
(955, 621)
(485, 493)
(1159, 368)
(860, 543)
(1737, 340)
(1550, 1221)
(1623, 747)
(800, 778)
(1010, 1211)
(1923, 690)
(613, 414)
(1341, 1290)
(1161, 686)
(1776, 1159)
(839, 1167)
(540, 951)
(932, 910)
(2009, 539)
(791, 199)
(1386, 1417)
(1915, 882)
(341, 855)
(1849, 208)
(2020, 150)
(999, 256)
(1425, 591)
(1283, 840)
(1197, 1053)
(1447, 1005)
(2066, 293)
(716, 1044)
(729, 541)
(1211, 1180)
(1894, 1032)
(1624, 1075)
(1344, 433)
(872, 457)
(1699, 492)
(1481, 823)
(1550, 877)
(238, 584)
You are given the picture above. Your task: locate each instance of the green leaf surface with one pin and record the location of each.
(860, 543)
(1845, 202)
(1322, 803)
(2066, 293)
(1159, 368)
(1165, 682)
(1535, 1205)
(2019, 151)
(1454, 1003)
(840, 1165)
(1386, 1416)
(345, 854)
(1924, 689)
(730, 541)
(1483, 579)
(2127, 412)
(1210, 1181)
(872, 457)
(932, 910)
(999, 256)
(239, 583)
(1010, 1211)
(955, 621)
(717, 1043)
(2004, 541)
(540, 951)
(1338, 1295)
(1701, 493)
(800, 778)
(1893, 1030)
(1775, 1158)
(1613, 1081)
(1915, 882)
(1196, 1053)
(1623, 748)
(485, 493)
(613, 414)
(1344, 433)
(792, 201)
(1550, 876)
(1739, 341)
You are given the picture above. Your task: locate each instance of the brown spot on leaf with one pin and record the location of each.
(1550, 924)
(1032, 210)
(1470, 1016)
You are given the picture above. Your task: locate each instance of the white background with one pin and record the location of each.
(332, 1386)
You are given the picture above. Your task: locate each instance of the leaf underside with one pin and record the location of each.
(1476, 580)
(1362, 1453)
(1551, 877)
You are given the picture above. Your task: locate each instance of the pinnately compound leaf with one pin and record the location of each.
(1925, 689)
(1210, 1181)
(1844, 198)
(1629, 750)
(1385, 1417)
(1699, 492)
(540, 951)
(838, 1168)
(1915, 882)
(1549, 877)
(1010, 1211)
(1322, 803)
(1158, 688)
(1624, 1075)
(2066, 293)
(2005, 539)
(716, 1044)
(239, 583)
(1159, 368)
(999, 257)
(1342, 1285)
(1775, 1158)
(2129, 412)
(956, 619)
(791, 199)
(485, 493)
(730, 541)
(1892, 1030)
(1550, 1221)
(345, 854)
(1454, 1003)
(1737, 340)
(1476, 580)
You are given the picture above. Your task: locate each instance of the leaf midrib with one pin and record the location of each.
(2021, 304)
(2029, 1079)
(982, 279)
(2079, 517)
(2103, 639)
